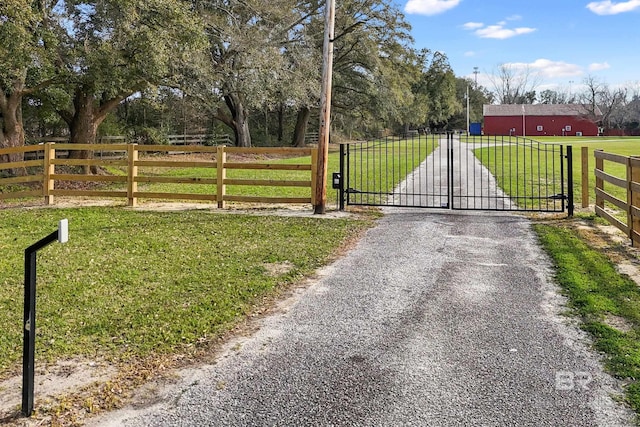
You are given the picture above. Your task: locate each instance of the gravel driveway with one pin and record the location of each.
(434, 319)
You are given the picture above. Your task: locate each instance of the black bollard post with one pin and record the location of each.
(29, 324)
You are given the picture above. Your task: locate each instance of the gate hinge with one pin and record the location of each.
(558, 197)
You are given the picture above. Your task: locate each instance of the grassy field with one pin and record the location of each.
(628, 146)
(607, 302)
(133, 283)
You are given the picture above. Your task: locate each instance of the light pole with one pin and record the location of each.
(320, 198)
(524, 124)
(570, 96)
(467, 108)
(475, 71)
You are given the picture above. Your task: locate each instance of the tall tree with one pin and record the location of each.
(245, 59)
(514, 84)
(601, 102)
(113, 49)
(371, 72)
(438, 84)
(26, 41)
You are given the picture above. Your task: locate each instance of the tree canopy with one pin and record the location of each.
(247, 66)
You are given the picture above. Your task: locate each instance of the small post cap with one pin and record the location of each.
(63, 231)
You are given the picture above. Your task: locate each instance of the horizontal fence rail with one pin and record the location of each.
(144, 165)
(621, 192)
(199, 139)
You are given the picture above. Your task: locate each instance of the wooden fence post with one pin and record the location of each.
(49, 170)
(585, 176)
(634, 201)
(132, 185)
(629, 199)
(599, 181)
(314, 176)
(221, 159)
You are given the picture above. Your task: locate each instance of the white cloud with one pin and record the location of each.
(470, 54)
(500, 32)
(514, 18)
(549, 69)
(430, 7)
(473, 25)
(599, 66)
(608, 7)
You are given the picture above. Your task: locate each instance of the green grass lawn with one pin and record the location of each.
(133, 283)
(627, 146)
(596, 292)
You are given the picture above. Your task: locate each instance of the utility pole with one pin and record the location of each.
(320, 198)
(467, 108)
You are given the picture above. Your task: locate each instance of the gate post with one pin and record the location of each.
(585, 177)
(570, 205)
(450, 169)
(49, 169)
(634, 200)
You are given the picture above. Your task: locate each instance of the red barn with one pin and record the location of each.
(538, 120)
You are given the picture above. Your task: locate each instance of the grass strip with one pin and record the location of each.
(596, 291)
(134, 283)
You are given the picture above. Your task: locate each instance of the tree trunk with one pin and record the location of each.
(239, 120)
(83, 128)
(301, 126)
(280, 123)
(12, 130)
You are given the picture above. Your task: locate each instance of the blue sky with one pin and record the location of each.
(562, 41)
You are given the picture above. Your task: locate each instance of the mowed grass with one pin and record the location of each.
(625, 146)
(134, 283)
(596, 292)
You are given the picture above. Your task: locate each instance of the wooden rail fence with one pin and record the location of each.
(200, 139)
(630, 185)
(139, 157)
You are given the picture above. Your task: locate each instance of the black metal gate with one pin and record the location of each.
(458, 172)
